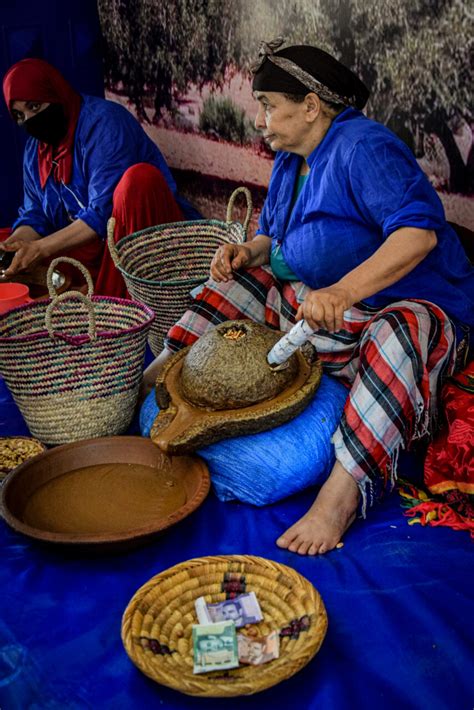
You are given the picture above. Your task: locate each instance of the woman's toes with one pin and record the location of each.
(282, 541)
(325, 547)
(304, 547)
(293, 547)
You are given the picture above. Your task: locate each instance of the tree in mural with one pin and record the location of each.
(415, 55)
(417, 63)
(158, 49)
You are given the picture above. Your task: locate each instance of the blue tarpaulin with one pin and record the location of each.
(398, 597)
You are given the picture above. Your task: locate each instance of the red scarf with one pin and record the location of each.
(36, 80)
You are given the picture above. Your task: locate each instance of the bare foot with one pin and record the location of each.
(331, 514)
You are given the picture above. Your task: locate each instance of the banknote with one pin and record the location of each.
(243, 609)
(255, 651)
(215, 647)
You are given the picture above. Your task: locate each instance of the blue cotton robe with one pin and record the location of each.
(364, 184)
(108, 140)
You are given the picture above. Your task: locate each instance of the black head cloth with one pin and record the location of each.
(301, 69)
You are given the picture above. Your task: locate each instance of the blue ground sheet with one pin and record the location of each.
(399, 601)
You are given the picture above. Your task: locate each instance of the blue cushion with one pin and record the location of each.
(266, 467)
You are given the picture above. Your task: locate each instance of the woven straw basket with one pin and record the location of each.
(157, 624)
(162, 264)
(73, 363)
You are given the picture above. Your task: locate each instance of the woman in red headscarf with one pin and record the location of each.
(87, 159)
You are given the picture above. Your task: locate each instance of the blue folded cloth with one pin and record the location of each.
(266, 467)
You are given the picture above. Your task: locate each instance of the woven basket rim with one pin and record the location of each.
(203, 685)
(162, 229)
(44, 302)
(168, 226)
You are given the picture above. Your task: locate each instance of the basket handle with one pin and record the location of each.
(230, 206)
(73, 339)
(78, 265)
(111, 242)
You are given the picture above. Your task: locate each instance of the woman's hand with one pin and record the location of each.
(229, 258)
(324, 308)
(27, 254)
(31, 248)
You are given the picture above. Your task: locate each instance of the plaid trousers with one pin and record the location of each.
(394, 360)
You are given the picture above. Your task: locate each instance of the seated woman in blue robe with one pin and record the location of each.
(352, 238)
(87, 159)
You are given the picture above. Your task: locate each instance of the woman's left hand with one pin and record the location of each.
(324, 308)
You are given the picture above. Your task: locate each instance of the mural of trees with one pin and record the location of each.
(158, 49)
(415, 55)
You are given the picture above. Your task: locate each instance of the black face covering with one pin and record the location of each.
(49, 125)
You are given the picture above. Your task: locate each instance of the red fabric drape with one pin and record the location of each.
(449, 463)
(141, 199)
(36, 80)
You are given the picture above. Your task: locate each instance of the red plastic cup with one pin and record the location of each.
(13, 295)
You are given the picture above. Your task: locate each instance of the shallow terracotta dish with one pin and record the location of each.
(103, 492)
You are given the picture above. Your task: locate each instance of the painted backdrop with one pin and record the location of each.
(183, 69)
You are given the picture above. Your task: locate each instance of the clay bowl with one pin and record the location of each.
(111, 492)
(182, 426)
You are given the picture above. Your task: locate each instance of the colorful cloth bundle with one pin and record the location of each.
(449, 464)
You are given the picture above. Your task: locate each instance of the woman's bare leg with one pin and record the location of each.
(331, 514)
(151, 373)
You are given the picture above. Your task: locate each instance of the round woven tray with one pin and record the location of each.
(157, 623)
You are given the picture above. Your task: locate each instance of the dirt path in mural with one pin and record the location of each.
(193, 151)
(459, 209)
(190, 151)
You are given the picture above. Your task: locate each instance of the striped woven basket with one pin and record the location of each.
(162, 264)
(157, 623)
(73, 363)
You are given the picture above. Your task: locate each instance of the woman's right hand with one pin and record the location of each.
(229, 258)
(27, 254)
